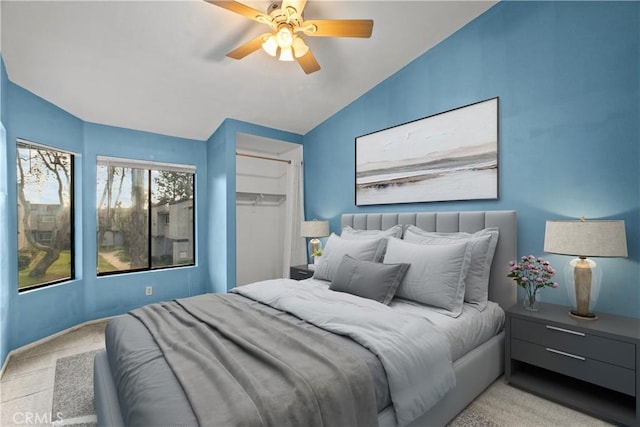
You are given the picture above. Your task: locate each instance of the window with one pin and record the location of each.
(135, 201)
(45, 215)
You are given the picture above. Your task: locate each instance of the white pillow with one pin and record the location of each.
(437, 273)
(351, 233)
(337, 247)
(483, 246)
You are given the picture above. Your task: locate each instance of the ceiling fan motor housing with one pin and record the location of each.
(274, 6)
(279, 16)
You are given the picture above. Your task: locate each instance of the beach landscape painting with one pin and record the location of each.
(444, 157)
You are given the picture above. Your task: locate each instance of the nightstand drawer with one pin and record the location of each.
(564, 338)
(575, 365)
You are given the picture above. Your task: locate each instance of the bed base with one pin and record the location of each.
(105, 394)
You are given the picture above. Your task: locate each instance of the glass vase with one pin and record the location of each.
(530, 300)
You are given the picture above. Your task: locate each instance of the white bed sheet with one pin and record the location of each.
(464, 332)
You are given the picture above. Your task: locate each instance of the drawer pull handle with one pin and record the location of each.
(568, 331)
(562, 353)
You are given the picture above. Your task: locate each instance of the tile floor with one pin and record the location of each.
(26, 387)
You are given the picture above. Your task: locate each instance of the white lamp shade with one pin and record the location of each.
(284, 37)
(314, 228)
(300, 48)
(600, 238)
(286, 54)
(270, 45)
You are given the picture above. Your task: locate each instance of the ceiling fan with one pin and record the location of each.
(286, 21)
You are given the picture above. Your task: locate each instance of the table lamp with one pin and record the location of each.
(584, 239)
(314, 229)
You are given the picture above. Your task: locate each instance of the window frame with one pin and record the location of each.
(24, 143)
(150, 167)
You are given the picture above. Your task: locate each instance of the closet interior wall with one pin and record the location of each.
(261, 187)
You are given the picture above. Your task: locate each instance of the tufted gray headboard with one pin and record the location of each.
(501, 289)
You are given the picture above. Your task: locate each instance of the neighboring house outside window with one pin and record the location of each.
(45, 215)
(145, 215)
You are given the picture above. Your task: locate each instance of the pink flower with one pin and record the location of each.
(532, 273)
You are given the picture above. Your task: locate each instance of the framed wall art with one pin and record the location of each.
(448, 156)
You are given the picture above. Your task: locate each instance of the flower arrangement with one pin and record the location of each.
(532, 274)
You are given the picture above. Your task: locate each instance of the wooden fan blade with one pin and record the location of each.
(339, 28)
(298, 5)
(247, 48)
(308, 63)
(243, 10)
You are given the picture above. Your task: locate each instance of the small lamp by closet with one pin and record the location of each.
(314, 229)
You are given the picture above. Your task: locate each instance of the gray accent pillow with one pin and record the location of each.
(351, 233)
(437, 273)
(483, 247)
(336, 248)
(368, 279)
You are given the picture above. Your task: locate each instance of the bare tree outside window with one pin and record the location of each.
(122, 219)
(45, 215)
(145, 218)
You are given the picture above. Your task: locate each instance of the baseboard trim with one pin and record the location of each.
(17, 351)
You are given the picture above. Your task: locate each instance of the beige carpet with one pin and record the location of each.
(506, 406)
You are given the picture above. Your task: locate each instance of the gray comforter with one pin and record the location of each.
(416, 356)
(240, 366)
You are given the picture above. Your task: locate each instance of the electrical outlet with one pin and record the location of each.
(149, 290)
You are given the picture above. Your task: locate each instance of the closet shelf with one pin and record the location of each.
(245, 198)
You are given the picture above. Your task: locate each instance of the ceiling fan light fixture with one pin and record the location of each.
(285, 20)
(286, 54)
(284, 37)
(300, 48)
(270, 45)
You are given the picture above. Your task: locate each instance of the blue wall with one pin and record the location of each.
(41, 312)
(221, 161)
(567, 77)
(4, 262)
(221, 184)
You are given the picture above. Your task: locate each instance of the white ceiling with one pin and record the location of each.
(160, 66)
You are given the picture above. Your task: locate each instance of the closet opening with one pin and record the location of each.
(269, 203)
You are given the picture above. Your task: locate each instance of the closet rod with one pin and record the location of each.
(262, 157)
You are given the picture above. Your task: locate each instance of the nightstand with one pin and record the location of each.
(589, 365)
(300, 272)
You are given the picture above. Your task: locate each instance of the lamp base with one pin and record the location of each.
(579, 316)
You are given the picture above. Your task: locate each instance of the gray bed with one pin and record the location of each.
(474, 370)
